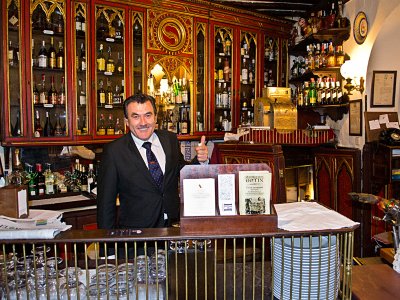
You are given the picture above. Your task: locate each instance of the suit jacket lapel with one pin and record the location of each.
(137, 158)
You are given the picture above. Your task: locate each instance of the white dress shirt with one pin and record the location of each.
(155, 147)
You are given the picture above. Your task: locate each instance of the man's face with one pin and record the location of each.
(141, 119)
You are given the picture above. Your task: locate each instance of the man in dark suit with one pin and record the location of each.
(145, 202)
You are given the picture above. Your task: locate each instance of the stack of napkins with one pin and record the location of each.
(41, 224)
(300, 216)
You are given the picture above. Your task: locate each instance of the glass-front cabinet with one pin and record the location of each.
(109, 75)
(15, 121)
(223, 83)
(48, 101)
(199, 94)
(271, 61)
(248, 76)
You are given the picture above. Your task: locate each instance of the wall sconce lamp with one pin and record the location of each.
(348, 71)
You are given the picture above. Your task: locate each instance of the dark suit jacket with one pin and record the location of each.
(124, 173)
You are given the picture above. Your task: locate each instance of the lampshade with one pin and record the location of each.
(347, 69)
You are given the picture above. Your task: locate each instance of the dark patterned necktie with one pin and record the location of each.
(154, 166)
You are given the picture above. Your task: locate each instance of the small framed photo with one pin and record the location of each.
(355, 117)
(383, 88)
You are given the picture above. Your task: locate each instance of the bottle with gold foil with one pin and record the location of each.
(339, 56)
(331, 58)
(101, 94)
(52, 55)
(110, 66)
(101, 61)
(60, 56)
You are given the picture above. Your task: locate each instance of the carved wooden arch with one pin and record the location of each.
(48, 8)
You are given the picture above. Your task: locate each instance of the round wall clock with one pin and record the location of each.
(360, 28)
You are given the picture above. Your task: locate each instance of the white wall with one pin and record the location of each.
(380, 51)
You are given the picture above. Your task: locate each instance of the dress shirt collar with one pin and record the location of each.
(154, 140)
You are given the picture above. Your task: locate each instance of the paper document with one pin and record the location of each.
(199, 197)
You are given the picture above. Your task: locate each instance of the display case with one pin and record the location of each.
(199, 87)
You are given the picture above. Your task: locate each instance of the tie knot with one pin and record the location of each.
(147, 145)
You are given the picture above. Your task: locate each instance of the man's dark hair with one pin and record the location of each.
(139, 98)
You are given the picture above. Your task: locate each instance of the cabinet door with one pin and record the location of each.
(271, 61)
(109, 75)
(15, 123)
(284, 70)
(223, 39)
(81, 97)
(248, 71)
(48, 99)
(199, 86)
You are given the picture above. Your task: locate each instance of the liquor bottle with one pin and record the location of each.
(306, 94)
(61, 95)
(331, 59)
(84, 180)
(219, 47)
(84, 128)
(244, 49)
(83, 28)
(40, 180)
(328, 92)
(317, 56)
(101, 94)
(117, 95)
(339, 92)
(199, 122)
(228, 44)
(47, 130)
(109, 93)
(224, 96)
(49, 181)
(339, 56)
(82, 63)
(227, 70)
(312, 93)
(16, 129)
(58, 130)
(119, 67)
(244, 101)
(118, 127)
(245, 70)
(333, 92)
(184, 122)
(101, 61)
(34, 57)
(10, 54)
(101, 129)
(119, 30)
(13, 17)
(185, 92)
(110, 126)
(35, 92)
(110, 66)
(42, 56)
(38, 131)
(220, 69)
(78, 24)
(324, 56)
(323, 92)
(32, 183)
(52, 54)
(58, 23)
(225, 122)
(43, 92)
(60, 56)
(218, 95)
(177, 92)
(170, 123)
(52, 94)
(90, 178)
(310, 57)
(82, 93)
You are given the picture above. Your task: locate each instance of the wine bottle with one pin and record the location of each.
(61, 95)
(43, 92)
(78, 24)
(118, 127)
(110, 126)
(58, 130)
(42, 57)
(82, 94)
(34, 57)
(40, 179)
(49, 181)
(184, 122)
(245, 70)
(47, 130)
(82, 65)
(58, 22)
(38, 131)
(117, 95)
(109, 93)
(60, 56)
(16, 130)
(110, 66)
(119, 30)
(119, 66)
(84, 128)
(101, 94)
(199, 122)
(101, 129)
(90, 178)
(10, 54)
(220, 69)
(101, 61)
(52, 54)
(185, 92)
(52, 94)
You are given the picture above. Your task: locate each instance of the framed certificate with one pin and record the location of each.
(383, 88)
(355, 117)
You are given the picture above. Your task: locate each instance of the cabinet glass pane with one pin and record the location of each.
(137, 41)
(271, 55)
(248, 64)
(199, 95)
(49, 93)
(15, 127)
(223, 40)
(110, 84)
(285, 63)
(81, 100)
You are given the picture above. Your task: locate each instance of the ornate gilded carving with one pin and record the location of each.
(48, 7)
(170, 64)
(170, 33)
(110, 14)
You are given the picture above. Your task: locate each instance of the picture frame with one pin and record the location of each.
(383, 90)
(355, 117)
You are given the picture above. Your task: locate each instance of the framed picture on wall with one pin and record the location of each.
(355, 117)
(383, 88)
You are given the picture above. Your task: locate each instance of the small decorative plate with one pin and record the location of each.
(360, 28)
